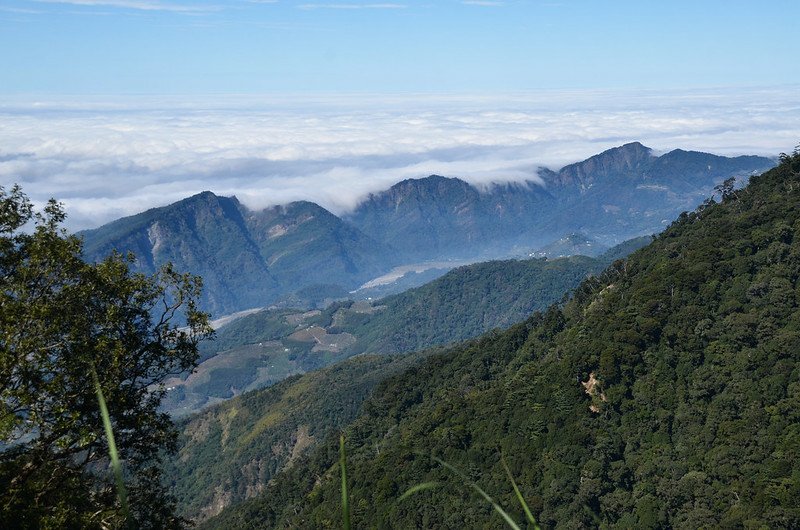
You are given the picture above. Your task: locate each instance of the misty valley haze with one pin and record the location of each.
(251, 258)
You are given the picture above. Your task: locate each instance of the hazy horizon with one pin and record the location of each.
(280, 100)
(110, 157)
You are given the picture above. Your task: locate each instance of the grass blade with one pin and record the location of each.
(416, 489)
(112, 446)
(483, 494)
(528, 514)
(345, 500)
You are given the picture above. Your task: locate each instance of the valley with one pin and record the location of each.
(351, 302)
(260, 348)
(546, 353)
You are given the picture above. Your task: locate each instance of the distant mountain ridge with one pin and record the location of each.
(247, 259)
(436, 216)
(624, 160)
(252, 258)
(628, 191)
(618, 194)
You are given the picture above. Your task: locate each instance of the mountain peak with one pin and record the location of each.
(610, 163)
(429, 182)
(626, 156)
(430, 188)
(205, 196)
(631, 146)
(294, 212)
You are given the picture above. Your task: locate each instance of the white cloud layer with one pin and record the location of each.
(113, 157)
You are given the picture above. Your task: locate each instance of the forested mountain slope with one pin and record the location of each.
(230, 452)
(469, 301)
(462, 304)
(265, 347)
(665, 394)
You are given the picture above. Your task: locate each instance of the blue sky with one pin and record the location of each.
(395, 46)
(115, 106)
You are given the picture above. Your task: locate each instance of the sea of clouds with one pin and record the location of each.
(109, 157)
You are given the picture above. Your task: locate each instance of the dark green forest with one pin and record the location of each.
(80, 342)
(231, 451)
(469, 301)
(463, 303)
(665, 393)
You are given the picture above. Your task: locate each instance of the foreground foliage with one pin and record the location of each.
(231, 451)
(62, 319)
(666, 393)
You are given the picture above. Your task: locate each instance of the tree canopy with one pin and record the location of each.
(664, 394)
(62, 318)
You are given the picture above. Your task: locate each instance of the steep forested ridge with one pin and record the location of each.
(230, 452)
(469, 301)
(665, 394)
(462, 304)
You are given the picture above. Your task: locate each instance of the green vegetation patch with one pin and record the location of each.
(673, 402)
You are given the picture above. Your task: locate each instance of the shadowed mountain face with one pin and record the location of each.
(247, 259)
(252, 258)
(447, 217)
(304, 244)
(621, 193)
(204, 234)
